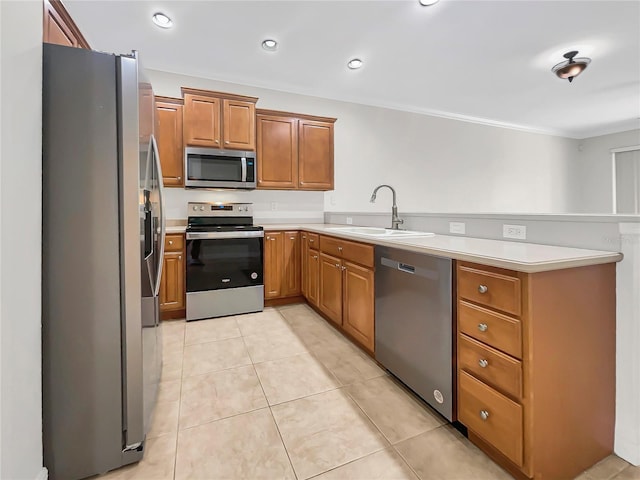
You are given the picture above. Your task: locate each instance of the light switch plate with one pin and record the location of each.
(457, 227)
(519, 232)
(349, 221)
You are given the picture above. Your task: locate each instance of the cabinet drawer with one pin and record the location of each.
(174, 243)
(492, 416)
(352, 251)
(489, 286)
(489, 365)
(314, 240)
(492, 328)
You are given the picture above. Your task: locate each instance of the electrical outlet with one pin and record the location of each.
(349, 221)
(274, 205)
(518, 232)
(457, 227)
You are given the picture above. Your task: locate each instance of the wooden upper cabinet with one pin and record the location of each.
(201, 121)
(315, 155)
(169, 137)
(295, 152)
(219, 120)
(277, 151)
(239, 124)
(59, 27)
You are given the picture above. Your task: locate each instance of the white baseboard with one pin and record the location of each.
(43, 474)
(627, 451)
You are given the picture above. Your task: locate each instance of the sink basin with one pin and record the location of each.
(380, 232)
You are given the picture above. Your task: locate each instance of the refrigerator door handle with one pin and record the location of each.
(163, 226)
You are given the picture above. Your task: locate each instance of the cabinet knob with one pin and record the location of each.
(272, 239)
(311, 240)
(338, 265)
(483, 363)
(344, 268)
(179, 257)
(227, 142)
(292, 238)
(484, 415)
(217, 141)
(315, 257)
(483, 289)
(483, 327)
(179, 178)
(339, 249)
(304, 237)
(170, 242)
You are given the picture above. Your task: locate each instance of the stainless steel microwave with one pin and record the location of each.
(215, 168)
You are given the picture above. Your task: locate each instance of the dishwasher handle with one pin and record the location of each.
(424, 272)
(403, 267)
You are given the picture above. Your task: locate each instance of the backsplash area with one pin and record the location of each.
(269, 206)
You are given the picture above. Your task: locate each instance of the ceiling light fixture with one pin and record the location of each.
(355, 63)
(428, 3)
(162, 20)
(270, 45)
(571, 67)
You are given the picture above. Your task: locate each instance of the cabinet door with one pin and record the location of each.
(239, 124)
(55, 29)
(304, 264)
(273, 261)
(172, 289)
(358, 313)
(169, 137)
(331, 287)
(201, 121)
(277, 151)
(313, 277)
(315, 155)
(291, 265)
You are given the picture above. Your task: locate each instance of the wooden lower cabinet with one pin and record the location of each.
(172, 284)
(282, 265)
(273, 263)
(358, 304)
(312, 293)
(330, 302)
(536, 366)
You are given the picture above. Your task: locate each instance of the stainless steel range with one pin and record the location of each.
(224, 260)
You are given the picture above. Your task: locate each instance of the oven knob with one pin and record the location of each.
(202, 208)
(195, 207)
(254, 275)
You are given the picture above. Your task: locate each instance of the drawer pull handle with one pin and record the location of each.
(484, 415)
(483, 289)
(482, 327)
(483, 363)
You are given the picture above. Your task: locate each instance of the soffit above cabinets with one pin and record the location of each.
(483, 61)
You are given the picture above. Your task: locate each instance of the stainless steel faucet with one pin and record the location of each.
(396, 221)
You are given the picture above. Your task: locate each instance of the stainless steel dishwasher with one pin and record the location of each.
(414, 323)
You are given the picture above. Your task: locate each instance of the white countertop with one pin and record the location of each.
(519, 256)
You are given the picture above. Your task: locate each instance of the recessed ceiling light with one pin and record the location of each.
(161, 20)
(428, 3)
(355, 63)
(270, 44)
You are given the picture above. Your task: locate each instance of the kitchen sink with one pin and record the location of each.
(380, 232)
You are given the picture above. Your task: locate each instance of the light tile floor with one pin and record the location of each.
(282, 395)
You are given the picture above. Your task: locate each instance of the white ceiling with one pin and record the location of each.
(486, 61)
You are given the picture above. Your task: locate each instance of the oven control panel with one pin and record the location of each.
(215, 209)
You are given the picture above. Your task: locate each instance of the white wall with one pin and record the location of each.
(20, 247)
(437, 164)
(595, 172)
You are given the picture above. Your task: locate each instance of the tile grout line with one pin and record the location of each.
(284, 446)
(403, 457)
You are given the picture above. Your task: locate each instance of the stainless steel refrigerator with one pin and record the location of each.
(103, 246)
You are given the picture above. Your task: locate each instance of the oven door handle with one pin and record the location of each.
(243, 162)
(219, 235)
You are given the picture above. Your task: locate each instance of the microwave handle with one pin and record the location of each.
(243, 161)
